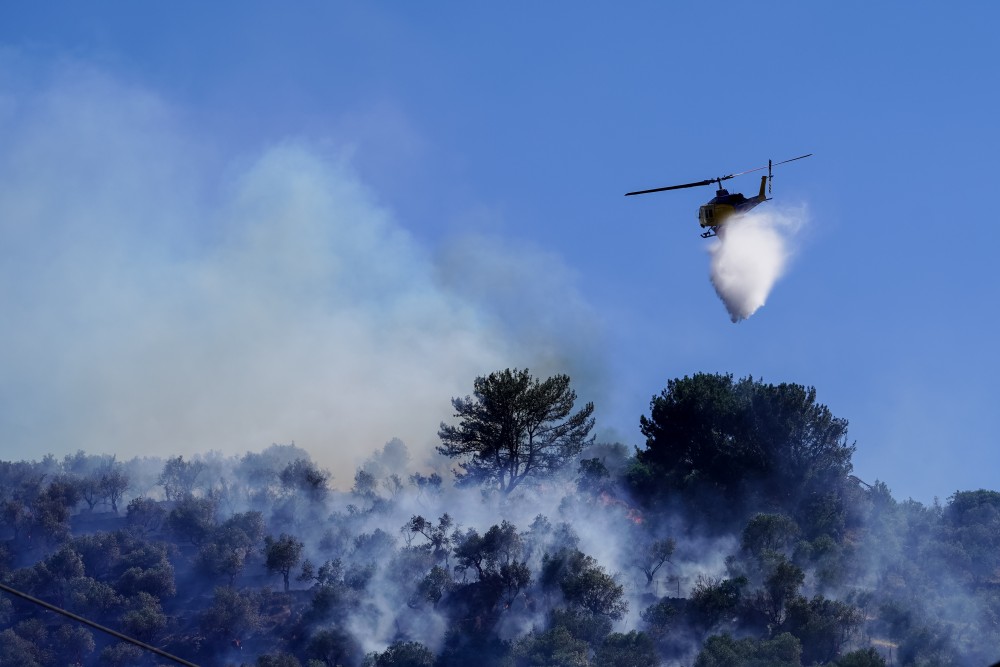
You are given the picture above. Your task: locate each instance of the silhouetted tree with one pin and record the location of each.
(651, 557)
(145, 514)
(745, 443)
(302, 475)
(179, 477)
(661, 617)
(438, 538)
(233, 614)
(584, 583)
(226, 552)
(334, 647)
(73, 643)
(282, 555)
(594, 476)
(822, 625)
(515, 428)
(768, 532)
(16, 651)
(192, 520)
(144, 618)
(112, 485)
(714, 601)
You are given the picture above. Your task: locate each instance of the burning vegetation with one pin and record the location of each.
(736, 535)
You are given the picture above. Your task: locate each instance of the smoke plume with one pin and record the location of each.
(749, 257)
(162, 297)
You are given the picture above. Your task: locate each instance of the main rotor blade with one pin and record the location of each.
(678, 187)
(773, 164)
(792, 160)
(715, 180)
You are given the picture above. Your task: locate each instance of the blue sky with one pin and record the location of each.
(478, 154)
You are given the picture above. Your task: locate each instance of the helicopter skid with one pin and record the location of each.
(709, 234)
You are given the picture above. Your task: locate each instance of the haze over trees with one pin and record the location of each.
(734, 535)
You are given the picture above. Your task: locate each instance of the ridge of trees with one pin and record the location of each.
(736, 536)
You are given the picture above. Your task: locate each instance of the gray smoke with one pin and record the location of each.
(749, 256)
(161, 298)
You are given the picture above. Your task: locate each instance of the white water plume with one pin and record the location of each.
(749, 257)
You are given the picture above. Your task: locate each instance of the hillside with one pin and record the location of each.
(736, 535)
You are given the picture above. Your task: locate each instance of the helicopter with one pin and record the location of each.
(723, 206)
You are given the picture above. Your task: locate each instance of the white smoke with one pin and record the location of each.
(749, 256)
(161, 299)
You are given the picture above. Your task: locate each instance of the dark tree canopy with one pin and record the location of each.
(281, 555)
(515, 427)
(745, 442)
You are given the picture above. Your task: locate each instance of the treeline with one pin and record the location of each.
(737, 535)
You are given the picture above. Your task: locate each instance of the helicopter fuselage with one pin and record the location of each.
(724, 206)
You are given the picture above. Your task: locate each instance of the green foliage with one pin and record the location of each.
(594, 476)
(121, 655)
(971, 525)
(634, 649)
(514, 429)
(426, 483)
(145, 514)
(374, 545)
(401, 654)
(18, 651)
(432, 587)
(745, 443)
(438, 538)
(584, 583)
(462, 648)
(281, 555)
(179, 477)
(768, 532)
(278, 660)
(87, 595)
(552, 648)
(112, 485)
(303, 476)
(724, 651)
(582, 625)
(157, 581)
(651, 556)
(866, 657)
(660, 617)
(144, 618)
(231, 544)
(233, 614)
(192, 519)
(765, 464)
(334, 646)
(822, 625)
(365, 485)
(73, 644)
(781, 585)
(715, 601)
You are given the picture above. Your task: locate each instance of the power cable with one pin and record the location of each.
(96, 626)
